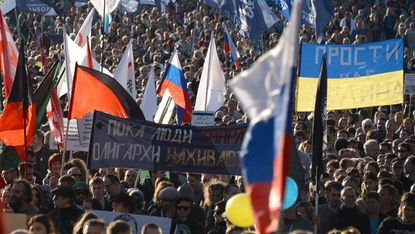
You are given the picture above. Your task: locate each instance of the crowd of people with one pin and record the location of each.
(368, 181)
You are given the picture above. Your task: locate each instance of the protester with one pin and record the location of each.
(369, 165)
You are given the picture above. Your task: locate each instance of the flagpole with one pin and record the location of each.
(24, 109)
(103, 39)
(64, 146)
(317, 196)
(17, 23)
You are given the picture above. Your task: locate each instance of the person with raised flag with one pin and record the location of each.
(175, 83)
(230, 48)
(269, 101)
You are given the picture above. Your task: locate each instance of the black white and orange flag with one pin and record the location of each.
(20, 110)
(94, 90)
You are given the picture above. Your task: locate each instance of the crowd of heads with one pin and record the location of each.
(369, 153)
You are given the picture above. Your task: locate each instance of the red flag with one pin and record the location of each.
(55, 118)
(19, 115)
(94, 90)
(8, 55)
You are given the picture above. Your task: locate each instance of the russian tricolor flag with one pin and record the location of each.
(266, 92)
(230, 48)
(175, 82)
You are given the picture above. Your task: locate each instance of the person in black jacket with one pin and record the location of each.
(65, 214)
(349, 214)
(405, 222)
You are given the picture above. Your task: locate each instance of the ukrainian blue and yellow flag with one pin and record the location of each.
(359, 75)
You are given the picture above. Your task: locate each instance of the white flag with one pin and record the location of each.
(74, 54)
(85, 29)
(149, 103)
(212, 87)
(257, 87)
(7, 6)
(110, 6)
(125, 74)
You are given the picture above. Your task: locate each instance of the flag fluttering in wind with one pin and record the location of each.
(149, 103)
(125, 73)
(317, 166)
(74, 54)
(93, 90)
(42, 94)
(212, 87)
(249, 23)
(18, 120)
(230, 48)
(105, 5)
(175, 82)
(85, 29)
(267, 93)
(8, 56)
(55, 118)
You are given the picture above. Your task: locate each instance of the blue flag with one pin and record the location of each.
(283, 6)
(41, 7)
(249, 18)
(315, 13)
(323, 13)
(162, 4)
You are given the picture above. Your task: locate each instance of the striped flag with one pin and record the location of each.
(267, 146)
(230, 48)
(175, 82)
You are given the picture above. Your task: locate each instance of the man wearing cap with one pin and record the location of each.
(167, 198)
(65, 213)
(196, 212)
(21, 198)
